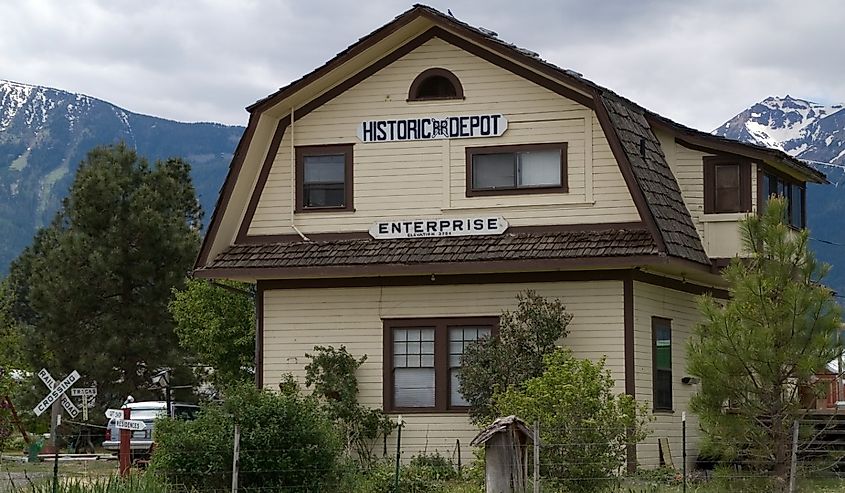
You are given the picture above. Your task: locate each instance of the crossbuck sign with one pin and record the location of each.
(57, 392)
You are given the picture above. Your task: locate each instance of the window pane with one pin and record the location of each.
(662, 371)
(455, 397)
(493, 171)
(539, 168)
(796, 205)
(324, 169)
(727, 193)
(771, 185)
(324, 181)
(663, 390)
(413, 387)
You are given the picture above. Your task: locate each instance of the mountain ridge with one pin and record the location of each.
(46, 132)
(814, 133)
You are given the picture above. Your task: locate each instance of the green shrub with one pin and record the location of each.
(425, 473)
(584, 424)
(494, 364)
(287, 443)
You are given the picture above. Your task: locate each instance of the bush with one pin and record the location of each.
(494, 364)
(584, 425)
(423, 474)
(287, 443)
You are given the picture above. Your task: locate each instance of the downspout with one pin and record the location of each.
(293, 176)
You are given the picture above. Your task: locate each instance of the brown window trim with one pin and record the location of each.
(654, 322)
(441, 72)
(564, 181)
(441, 359)
(318, 150)
(762, 171)
(710, 163)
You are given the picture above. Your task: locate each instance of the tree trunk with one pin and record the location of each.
(782, 453)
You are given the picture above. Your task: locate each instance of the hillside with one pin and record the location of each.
(45, 133)
(815, 133)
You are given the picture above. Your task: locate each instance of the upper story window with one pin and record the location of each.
(795, 193)
(435, 83)
(516, 169)
(324, 178)
(423, 360)
(727, 185)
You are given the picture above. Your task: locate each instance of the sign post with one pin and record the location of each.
(125, 436)
(56, 396)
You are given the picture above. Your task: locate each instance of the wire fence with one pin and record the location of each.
(537, 457)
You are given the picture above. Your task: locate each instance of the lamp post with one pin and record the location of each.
(162, 379)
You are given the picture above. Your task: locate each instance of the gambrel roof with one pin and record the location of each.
(629, 128)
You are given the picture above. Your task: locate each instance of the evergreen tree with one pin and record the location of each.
(91, 292)
(758, 350)
(216, 322)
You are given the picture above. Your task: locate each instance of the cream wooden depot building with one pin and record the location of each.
(396, 199)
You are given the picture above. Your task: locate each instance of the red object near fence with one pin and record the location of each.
(125, 452)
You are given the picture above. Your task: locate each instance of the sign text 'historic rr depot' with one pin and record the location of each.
(428, 228)
(433, 127)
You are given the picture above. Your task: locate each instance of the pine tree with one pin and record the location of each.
(755, 352)
(92, 290)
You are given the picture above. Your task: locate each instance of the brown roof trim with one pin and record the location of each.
(628, 173)
(437, 17)
(226, 191)
(575, 263)
(630, 367)
(362, 235)
(262, 176)
(713, 144)
(679, 285)
(260, 287)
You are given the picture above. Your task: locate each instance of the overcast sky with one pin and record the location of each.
(697, 62)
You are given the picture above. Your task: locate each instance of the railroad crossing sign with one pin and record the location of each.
(87, 394)
(57, 391)
(129, 424)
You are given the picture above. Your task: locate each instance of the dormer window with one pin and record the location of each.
(435, 84)
(727, 185)
(775, 184)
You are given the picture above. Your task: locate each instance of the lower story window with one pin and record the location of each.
(423, 360)
(661, 333)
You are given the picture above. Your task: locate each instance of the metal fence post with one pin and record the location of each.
(684, 447)
(398, 450)
(458, 445)
(794, 465)
(537, 456)
(236, 457)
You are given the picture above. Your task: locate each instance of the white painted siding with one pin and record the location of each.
(427, 178)
(654, 301)
(298, 319)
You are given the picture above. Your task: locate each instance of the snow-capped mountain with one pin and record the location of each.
(45, 133)
(814, 133)
(804, 129)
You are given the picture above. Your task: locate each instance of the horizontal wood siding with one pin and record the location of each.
(427, 178)
(681, 308)
(688, 167)
(297, 320)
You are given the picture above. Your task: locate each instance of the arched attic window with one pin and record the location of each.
(435, 83)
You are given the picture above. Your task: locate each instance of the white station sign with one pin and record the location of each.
(129, 424)
(432, 228)
(114, 413)
(433, 127)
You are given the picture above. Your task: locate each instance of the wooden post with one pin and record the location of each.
(236, 460)
(794, 466)
(537, 456)
(125, 449)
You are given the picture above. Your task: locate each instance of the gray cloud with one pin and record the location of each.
(698, 62)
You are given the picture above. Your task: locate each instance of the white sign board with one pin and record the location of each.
(429, 228)
(128, 424)
(85, 391)
(433, 127)
(56, 393)
(114, 413)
